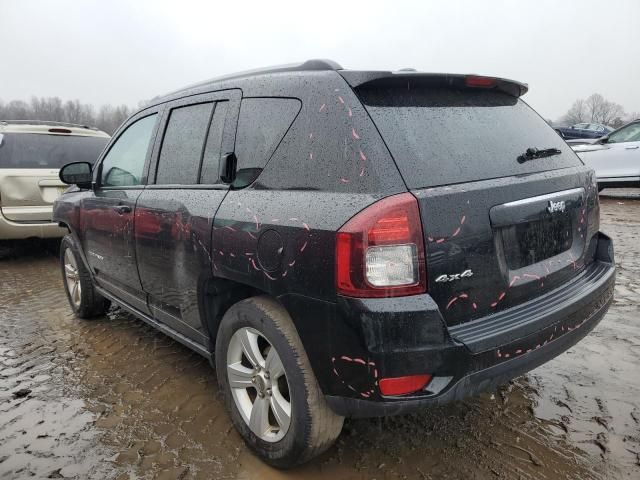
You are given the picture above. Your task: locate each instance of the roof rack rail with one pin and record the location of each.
(315, 64)
(47, 122)
(309, 65)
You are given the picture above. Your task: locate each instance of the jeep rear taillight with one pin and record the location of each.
(380, 251)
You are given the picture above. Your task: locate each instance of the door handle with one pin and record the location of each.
(122, 209)
(631, 148)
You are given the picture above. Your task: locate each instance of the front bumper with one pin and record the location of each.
(10, 230)
(471, 358)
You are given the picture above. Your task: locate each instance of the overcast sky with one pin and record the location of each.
(127, 51)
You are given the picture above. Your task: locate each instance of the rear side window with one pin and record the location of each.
(123, 166)
(183, 144)
(262, 124)
(441, 136)
(30, 150)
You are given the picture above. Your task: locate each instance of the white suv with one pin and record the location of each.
(31, 154)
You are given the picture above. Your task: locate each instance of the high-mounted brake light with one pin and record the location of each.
(59, 130)
(482, 82)
(380, 251)
(403, 385)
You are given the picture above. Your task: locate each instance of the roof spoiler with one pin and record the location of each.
(407, 78)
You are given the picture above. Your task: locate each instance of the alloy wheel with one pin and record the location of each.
(72, 278)
(259, 384)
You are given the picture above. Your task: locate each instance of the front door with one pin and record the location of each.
(106, 229)
(174, 214)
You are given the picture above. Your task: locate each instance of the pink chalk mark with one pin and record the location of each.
(292, 263)
(456, 232)
(268, 276)
(304, 245)
(310, 155)
(322, 107)
(341, 99)
(362, 156)
(350, 113)
(360, 361)
(451, 302)
(344, 180)
(464, 217)
(440, 240)
(354, 134)
(502, 296)
(344, 357)
(475, 307)
(361, 172)
(306, 227)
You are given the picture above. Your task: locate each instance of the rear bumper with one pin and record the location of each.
(472, 360)
(10, 230)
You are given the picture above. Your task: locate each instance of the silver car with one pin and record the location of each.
(31, 155)
(614, 157)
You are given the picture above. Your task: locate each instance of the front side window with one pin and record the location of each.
(581, 126)
(123, 166)
(183, 144)
(630, 133)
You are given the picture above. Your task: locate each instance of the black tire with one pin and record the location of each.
(314, 427)
(92, 304)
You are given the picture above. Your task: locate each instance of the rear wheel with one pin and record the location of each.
(85, 301)
(268, 386)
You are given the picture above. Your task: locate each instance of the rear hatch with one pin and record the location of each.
(500, 229)
(29, 165)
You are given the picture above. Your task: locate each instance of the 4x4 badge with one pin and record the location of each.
(454, 276)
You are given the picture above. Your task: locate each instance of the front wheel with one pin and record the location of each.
(269, 387)
(83, 298)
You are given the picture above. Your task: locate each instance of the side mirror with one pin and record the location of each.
(228, 165)
(77, 173)
(603, 140)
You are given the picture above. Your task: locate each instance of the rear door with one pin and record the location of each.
(499, 230)
(29, 165)
(174, 214)
(106, 223)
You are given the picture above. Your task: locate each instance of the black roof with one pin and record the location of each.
(355, 78)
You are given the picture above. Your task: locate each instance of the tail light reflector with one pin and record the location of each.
(403, 385)
(380, 251)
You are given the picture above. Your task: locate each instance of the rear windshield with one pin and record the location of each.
(441, 136)
(30, 150)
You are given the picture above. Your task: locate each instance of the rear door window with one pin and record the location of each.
(183, 143)
(262, 124)
(31, 150)
(212, 151)
(441, 136)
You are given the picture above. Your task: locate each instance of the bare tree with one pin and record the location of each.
(577, 113)
(603, 111)
(108, 118)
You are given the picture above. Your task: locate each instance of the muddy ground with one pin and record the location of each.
(112, 398)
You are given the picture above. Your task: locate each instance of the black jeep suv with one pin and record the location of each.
(341, 243)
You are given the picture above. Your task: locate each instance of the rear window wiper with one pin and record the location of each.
(533, 153)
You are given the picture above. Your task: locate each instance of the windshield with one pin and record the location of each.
(29, 150)
(441, 136)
